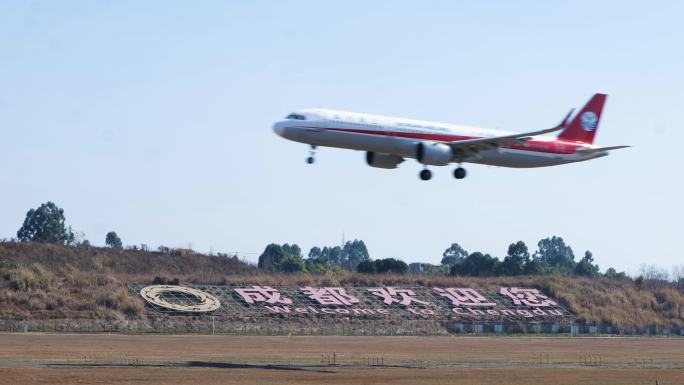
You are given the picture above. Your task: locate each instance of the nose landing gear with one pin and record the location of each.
(312, 153)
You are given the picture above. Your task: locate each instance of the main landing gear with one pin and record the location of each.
(312, 153)
(426, 174)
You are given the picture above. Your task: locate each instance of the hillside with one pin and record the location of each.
(40, 280)
(45, 281)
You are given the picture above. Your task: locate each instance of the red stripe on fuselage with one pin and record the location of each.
(553, 147)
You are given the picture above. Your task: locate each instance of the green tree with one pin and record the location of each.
(293, 249)
(347, 257)
(391, 265)
(315, 252)
(282, 259)
(612, 273)
(556, 255)
(112, 240)
(367, 267)
(382, 266)
(315, 266)
(516, 259)
(332, 255)
(45, 224)
(534, 267)
(453, 255)
(476, 265)
(585, 267)
(271, 257)
(353, 253)
(291, 264)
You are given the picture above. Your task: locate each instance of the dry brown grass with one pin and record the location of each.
(59, 259)
(33, 292)
(53, 281)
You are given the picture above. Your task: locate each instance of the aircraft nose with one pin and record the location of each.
(279, 127)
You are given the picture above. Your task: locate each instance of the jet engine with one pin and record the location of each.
(434, 154)
(380, 160)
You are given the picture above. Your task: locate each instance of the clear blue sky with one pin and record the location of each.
(154, 119)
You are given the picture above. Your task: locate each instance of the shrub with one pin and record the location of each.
(22, 279)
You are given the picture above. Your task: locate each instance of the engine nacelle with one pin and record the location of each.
(434, 154)
(380, 160)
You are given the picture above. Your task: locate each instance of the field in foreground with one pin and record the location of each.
(341, 376)
(130, 359)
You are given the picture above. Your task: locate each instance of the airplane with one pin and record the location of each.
(387, 141)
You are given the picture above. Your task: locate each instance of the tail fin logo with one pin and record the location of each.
(589, 121)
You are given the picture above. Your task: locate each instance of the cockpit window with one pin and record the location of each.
(296, 116)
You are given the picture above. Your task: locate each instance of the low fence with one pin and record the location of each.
(214, 325)
(269, 326)
(573, 330)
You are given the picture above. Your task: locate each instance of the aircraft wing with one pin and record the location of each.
(473, 146)
(587, 151)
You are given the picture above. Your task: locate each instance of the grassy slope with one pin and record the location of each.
(53, 281)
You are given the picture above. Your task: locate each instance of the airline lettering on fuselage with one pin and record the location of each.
(411, 125)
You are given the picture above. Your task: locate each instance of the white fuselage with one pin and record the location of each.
(399, 136)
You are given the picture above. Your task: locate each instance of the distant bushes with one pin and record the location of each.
(165, 281)
(383, 266)
(552, 257)
(287, 258)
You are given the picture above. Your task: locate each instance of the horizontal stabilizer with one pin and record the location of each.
(587, 151)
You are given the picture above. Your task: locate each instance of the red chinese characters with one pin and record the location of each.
(262, 294)
(391, 295)
(464, 296)
(330, 295)
(529, 297)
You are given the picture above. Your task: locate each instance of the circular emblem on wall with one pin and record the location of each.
(588, 120)
(180, 298)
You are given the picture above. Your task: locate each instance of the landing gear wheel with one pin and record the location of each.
(312, 153)
(460, 173)
(425, 174)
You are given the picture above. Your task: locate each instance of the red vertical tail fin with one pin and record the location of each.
(583, 127)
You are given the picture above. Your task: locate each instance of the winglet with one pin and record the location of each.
(566, 120)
